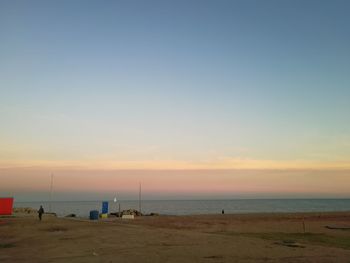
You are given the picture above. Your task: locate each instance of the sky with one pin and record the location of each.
(192, 98)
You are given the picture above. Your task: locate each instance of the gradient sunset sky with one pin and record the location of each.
(195, 99)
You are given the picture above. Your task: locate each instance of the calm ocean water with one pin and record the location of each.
(192, 207)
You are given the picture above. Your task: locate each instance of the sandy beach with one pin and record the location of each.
(204, 238)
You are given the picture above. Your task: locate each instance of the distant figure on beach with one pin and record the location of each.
(222, 211)
(40, 212)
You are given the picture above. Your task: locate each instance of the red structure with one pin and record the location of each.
(6, 205)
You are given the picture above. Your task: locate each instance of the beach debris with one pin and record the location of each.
(128, 216)
(55, 229)
(338, 227)
(7, 245)
(289, 243)
(115, 214)
(94, 254)
(214, 257)
(153, 214)
(71, 215)
(25, 210)
(51, 214)
(133, 212)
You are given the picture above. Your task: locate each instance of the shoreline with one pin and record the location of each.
(199, 207)
(277, 213)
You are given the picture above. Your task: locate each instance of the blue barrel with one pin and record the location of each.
(104, 207)
(94, 215)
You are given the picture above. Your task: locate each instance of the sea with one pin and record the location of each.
(195, 207)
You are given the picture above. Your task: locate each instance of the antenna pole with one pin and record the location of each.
(51, 189)
(140, 198)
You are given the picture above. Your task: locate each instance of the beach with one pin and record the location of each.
(200, 238)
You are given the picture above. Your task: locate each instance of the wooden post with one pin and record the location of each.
(304, 224)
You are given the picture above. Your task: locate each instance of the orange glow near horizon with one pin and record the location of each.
(205, 182)
(219, 163)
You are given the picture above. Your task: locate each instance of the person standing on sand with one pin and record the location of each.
(40, 212)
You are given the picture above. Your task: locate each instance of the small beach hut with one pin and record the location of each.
(6, 205)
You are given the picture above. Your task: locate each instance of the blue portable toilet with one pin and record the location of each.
(105, 207)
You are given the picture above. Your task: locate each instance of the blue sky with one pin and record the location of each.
(183, 83)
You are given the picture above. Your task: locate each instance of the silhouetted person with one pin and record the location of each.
(40, 212)
(222, 211)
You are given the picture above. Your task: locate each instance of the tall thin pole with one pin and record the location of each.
(51, 189)
(115, 202)
(140, 198)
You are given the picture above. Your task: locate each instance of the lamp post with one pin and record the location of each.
(115, 203)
